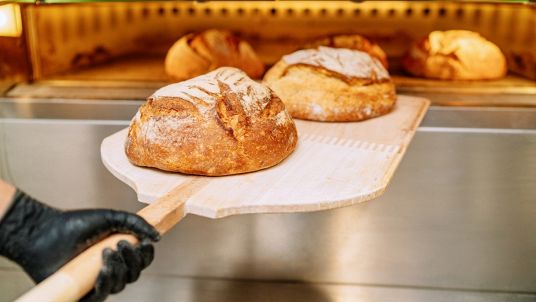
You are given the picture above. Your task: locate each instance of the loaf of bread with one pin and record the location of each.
(352, 41)
(196, 54)
(219, 123)
(455, 55)
(332, 84)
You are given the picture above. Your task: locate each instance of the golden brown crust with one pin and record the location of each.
(221, 123)
(321, 94)
(355, 42)
(196, 54)
(455, 55)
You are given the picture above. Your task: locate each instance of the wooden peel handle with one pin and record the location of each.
(76, 278)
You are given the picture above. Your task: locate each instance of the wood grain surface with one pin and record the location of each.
(334, 165)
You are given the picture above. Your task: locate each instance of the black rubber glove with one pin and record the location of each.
(42, 239)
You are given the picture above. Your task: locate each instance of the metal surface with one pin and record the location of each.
(470, 117)
(473, 99)
(151, 287)
(457, 222)
(68, 109)
(136, 77)
(162, 288)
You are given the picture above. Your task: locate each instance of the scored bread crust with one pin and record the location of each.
(196, 54)
(455, 55)
(220, 123)
(352, 41)
(330, 84)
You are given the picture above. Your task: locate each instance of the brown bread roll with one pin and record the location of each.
(219, 123)
(455, 55)
(355, 42)
(196, 54)
(332, 84)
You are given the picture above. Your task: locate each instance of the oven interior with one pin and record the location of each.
(66, 50)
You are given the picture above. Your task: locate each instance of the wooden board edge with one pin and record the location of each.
(275, 209)
(403, 147)
(110, 167)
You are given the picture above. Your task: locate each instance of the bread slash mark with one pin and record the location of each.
(230, 112)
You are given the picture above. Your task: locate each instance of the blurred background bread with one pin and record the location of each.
(455, 55)
(332, 84)
(198, 53)
(220, 123)
(352, 41)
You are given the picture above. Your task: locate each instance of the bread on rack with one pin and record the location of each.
(220, 123)
(455, 55)
(352, 41)
(196, 54)
(332, 84)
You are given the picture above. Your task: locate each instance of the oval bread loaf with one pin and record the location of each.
(196, 54)
(332, 84)
(352, 41)
(455, 55)
(220, 123)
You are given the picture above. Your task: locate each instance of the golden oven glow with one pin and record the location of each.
(10, 21)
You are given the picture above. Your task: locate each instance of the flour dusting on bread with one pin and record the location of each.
(332, 84)
(155, 129)
(347, 62)
(282, 118)
(253, 96)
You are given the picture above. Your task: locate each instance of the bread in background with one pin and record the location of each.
(220, 123)
(352, 41)
(196, 54)
(332, 84)
(455, 55)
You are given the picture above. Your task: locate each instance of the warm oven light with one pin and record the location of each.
(10, 22)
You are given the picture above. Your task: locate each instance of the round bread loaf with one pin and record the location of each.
(352, 41)
(220, 123)
(196, 54)
(332, 84)
(455, 55)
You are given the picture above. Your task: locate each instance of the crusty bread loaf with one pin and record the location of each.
(455, 55)
(196, 54)
(352, 41)
(332, 84)
(220, 123)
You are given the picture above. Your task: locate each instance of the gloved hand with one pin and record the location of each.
(41, 239)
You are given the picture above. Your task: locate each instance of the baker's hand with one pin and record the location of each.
(42, 239)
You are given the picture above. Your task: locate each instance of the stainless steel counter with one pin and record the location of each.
(457, 223)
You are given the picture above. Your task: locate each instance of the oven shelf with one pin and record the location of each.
(135, 77)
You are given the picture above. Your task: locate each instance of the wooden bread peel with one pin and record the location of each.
(334, 165)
